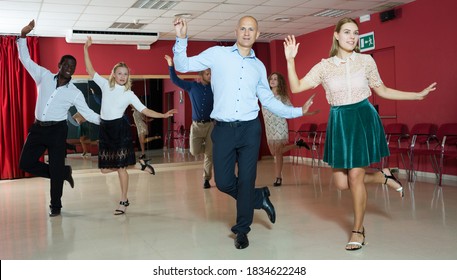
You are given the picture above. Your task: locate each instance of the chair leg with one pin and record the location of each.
(440, 169)
(404, 165)
(411, 167)
(435, 167)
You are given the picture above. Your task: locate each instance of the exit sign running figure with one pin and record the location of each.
(366, 42)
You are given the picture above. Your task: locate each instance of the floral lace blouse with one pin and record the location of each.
(345, 81)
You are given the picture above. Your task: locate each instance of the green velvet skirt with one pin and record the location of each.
(355, 136)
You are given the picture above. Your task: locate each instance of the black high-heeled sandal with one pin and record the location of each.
(300, 143)
(278, 182)
(358, 245)
(145, 164)
(123, 203)
(391, 176)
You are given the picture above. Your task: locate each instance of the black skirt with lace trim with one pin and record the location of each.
(115, 148)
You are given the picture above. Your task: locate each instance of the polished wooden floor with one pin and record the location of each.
(171, 217)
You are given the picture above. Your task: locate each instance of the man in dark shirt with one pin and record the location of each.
(201, 97)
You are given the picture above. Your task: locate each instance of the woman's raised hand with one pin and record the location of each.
(290, 47)
(88, 42)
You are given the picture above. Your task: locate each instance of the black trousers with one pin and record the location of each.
(238, 143)
(51, 138)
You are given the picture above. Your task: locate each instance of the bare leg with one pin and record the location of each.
(288, 148)
(84, 140)
(353, 179)
(276, 152)
(141, 139)
(149, 139)
(279, 161)
(370, 178)
(380, 178)
(124, 182)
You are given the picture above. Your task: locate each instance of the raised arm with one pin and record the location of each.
(180, 25)
(26, 29)
(290, 51)
(154, 114)
(393, 94)
(89, 68)
(186, 85)
(35, 70)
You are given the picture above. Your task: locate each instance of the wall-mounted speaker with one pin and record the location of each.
(387, 15)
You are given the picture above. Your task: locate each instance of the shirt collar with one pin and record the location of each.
(235, 48)
(56, 77)
(337, 61)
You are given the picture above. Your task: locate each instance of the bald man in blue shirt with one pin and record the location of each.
(239, 81)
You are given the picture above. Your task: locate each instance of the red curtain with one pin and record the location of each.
(18, 95)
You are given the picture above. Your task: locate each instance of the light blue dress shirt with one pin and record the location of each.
(238, 82)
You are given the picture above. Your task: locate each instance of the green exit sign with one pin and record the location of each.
(366, 42)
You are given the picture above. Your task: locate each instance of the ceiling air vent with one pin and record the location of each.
(154, 4)
(331, 13)
(272, 35)
(112, 37)
(127, 25)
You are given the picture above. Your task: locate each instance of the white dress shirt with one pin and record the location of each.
(53, 102)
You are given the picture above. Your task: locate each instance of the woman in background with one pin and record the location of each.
(276, 128)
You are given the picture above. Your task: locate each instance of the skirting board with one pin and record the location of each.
(425, 176)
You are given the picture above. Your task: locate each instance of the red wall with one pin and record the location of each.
(424, 44)
(104, 57)
(422, 38)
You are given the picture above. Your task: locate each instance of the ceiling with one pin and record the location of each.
(209, 20)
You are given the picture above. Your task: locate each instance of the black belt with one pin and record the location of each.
(204, 121)
(234, 124)
(49, 123)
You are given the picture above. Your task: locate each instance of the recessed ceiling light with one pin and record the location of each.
(282, 19)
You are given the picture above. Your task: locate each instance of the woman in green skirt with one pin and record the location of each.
(355, 135)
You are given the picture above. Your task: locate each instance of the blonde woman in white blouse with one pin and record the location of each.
(116, 152)
(355, 135)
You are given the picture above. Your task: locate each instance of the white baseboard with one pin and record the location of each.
(450, 180)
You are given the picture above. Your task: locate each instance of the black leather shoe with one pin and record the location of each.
(206, 184)
(54, 211)
(241, 241)
(267, 205)
(70, 178)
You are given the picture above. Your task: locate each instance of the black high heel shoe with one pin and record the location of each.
(278, 182)
(122, 203)
(391, 176)
(302, 144)
(145, 164)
